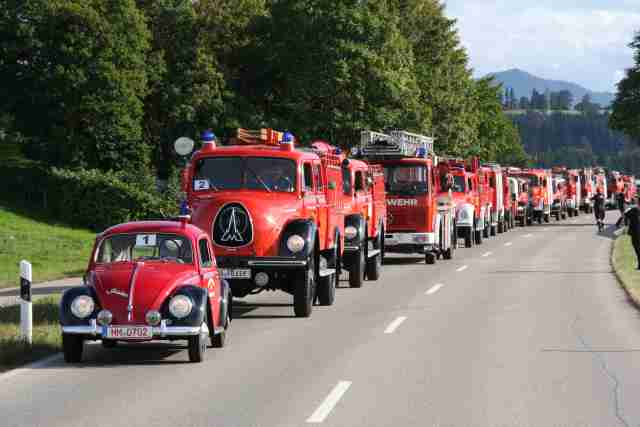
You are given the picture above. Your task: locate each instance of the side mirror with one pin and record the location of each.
(332, 185)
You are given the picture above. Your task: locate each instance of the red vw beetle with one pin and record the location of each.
(152, 280)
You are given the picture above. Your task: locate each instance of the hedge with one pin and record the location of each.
(86, 198)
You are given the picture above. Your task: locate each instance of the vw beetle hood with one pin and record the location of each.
(257, 235)
(149, 282)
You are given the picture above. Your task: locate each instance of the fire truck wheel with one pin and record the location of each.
(374, 264)
(357, 268)
(485, 232)
(468, 238)
(109, 343)
(72, 346)
(493, 230)
(430, 258)
(558, 216)
(448, 254)
(478, 236)
(576, 212)
(327, 285)
(501, 227)
(547, 218)
(303, 291)
(564, 215)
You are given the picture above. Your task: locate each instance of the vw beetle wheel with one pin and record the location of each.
(357, 269)
(72, 346)
(304, 287)
(219, 340)
(198, 344)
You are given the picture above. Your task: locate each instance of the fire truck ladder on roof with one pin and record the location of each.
(395, 144)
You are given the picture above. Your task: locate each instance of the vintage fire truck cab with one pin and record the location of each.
(510, 195)
(274, 213)
(540, 193)
(519, 184)
(559, 200)
(365, 219)
(419, 219)
(574, 192)
(461, 184)
(600, 180)
(615, 186)
(486, 196)
(496, 192)
(629, 188)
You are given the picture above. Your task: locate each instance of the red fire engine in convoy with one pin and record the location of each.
(600, 180)
(365, 219)
(588, 189)
(574, 192)
(510, 195)
(559, 188)
(496, 193)
(629, 188)
(615, 185)
(419, 220)
(540, 193)
(520, 192)
(274, 213)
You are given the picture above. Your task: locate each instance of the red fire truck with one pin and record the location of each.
(365, 218)
(486, 196)
(519, 188)
(559, 189)
(419, 219)
(496, 192)
(615, 185)
(588, 189)
(629, 188)
(510, 195)
(274, 213)
(574, 192)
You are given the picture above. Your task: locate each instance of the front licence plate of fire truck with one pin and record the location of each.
(236, 273)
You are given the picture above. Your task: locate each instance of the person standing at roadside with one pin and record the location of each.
(599, 210)
(631, 218)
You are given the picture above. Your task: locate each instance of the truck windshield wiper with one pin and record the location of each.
(266, 187)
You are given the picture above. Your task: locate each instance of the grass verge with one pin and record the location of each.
(624, 263)
(54, 250)
(46, 333)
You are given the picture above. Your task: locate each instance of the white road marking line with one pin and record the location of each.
(394, 325)
(435, 288)
(508, 244)
(329, 402)
(528, 235)
(35, 365)
(486, 254)
(463, 268)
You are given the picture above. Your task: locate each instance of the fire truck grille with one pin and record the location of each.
(232, 227)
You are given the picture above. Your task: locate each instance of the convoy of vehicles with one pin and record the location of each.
(262, 214)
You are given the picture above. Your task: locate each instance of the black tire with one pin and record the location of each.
(198, 344)
(430, 258)
(547, 218)
(448, 254)
(72, 347)
(485, 231)
(106, 343)
(219, 340)
(374, 264)
(501, 227)
(304, 289)
(326, 293)
(357, 268)
(493, 230)
(468, 237)
(558, 216)
(478, 236)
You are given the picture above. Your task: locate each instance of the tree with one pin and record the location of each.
(587, 107)
(626, 106)
(73, 75)
(186, 86)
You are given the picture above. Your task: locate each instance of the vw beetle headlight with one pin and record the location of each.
(295, 243)
(180, 306)
(82, 306)
(350, 232)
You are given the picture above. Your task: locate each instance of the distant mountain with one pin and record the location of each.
(523, 84)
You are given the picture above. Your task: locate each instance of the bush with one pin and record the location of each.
(86, 198)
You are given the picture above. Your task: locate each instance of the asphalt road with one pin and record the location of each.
(529, 329)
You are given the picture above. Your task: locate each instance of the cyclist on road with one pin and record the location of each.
(599, 210)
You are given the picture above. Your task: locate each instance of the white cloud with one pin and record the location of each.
(581, 41)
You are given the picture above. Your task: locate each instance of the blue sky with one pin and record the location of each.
(584, 41)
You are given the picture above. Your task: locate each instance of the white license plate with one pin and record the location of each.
(236, 273)
(128, 332)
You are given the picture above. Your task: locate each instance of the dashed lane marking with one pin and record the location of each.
(508, 244)
(394, 325)
(329, 403)
(528, 235)
(463, 268)
(435, 288)
(486, 254)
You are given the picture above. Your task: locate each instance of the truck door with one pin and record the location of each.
(309, 197)
(210, 278)
(324, 214)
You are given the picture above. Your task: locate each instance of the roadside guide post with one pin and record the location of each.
(26, 307)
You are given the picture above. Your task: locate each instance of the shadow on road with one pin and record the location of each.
(403, 260)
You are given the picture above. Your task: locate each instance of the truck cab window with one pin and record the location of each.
(359, 181)
(308, 177)
(346, 181)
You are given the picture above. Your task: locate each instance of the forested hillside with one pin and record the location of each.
(110, 85)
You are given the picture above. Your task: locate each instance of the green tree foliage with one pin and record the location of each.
(186, 87)
(626, 107)
(587, 107)
(72, 73)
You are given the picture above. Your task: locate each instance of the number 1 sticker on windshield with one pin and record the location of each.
(200, 184)
(145, 240)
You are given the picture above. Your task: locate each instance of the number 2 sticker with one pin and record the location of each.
(200, 184)
(145, 240)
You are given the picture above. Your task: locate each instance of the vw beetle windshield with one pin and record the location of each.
(406, 180)
(145, 247)
(254, 173)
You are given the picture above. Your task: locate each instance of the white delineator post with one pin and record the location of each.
(26, 306)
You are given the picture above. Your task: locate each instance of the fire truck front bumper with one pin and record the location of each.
(409, 242)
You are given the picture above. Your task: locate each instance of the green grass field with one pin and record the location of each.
(625, 263)
(46, 334)
(55, 251)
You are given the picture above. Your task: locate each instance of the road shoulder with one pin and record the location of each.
(623, 263)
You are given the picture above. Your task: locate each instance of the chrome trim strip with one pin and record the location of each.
(277, 263)
(132, 284)
(351, 248)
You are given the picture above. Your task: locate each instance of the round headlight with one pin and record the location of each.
(295, 243)
(153, 317)
(82, 306)
(104, 317)
(180, 306)
(350, 232)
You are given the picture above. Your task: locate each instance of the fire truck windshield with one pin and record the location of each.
(253, 173)
(406, 179)
(458, 184)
